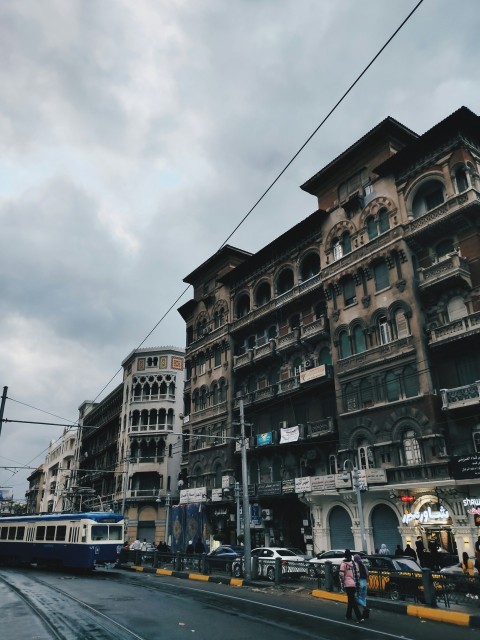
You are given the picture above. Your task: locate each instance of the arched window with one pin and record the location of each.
(201, 327)
(201, 363)
(219, 318)
(359, 339)
(203, 398)
(272, 332)
(214, 393)
(456, 308)
(392, 386)
(428, 196)
(401, 324)
(297, 366)
(324, 356)
(263, 294)
(310, 266)
(366, 393)
(411, 448)
(349, 293)
(285, 281)
(476, 438)
(380, 273)
(344, 345)
(222, 391)
(243, 305)
(384, 331)
(372, 228)
(383, 221)
(332, 465)
(363, 455)
(294, 321)
(461, 179)
(218, 476)
(341, 246)
(217, 355)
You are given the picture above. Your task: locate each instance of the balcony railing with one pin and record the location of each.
(208, 412)
(146, 459)
(459, 397)
(462, 327)
(276, 303)
(452, 268)
(321, 427)
(142, 494)
(148, 428)
(419, 473)
(382, 352)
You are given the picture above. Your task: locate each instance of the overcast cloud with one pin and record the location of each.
(135, 135)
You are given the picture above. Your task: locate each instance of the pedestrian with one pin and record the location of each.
(384, 550)
(362, 589)
(398, 551)
(468, 569)
(190, 548)
(199, 546)
(135, 545)
(477, 554)
(420, 550)
(410, 552)
(349, 578)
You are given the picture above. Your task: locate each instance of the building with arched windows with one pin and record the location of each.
(352, 340)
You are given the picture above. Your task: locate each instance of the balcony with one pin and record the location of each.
(280, 301)
(451, 271)
(461, 328)
(208, 412)
(144, 429)
(460, 397)
(146, 459)
(303, 333)
(382, 353)
(142, 494)
(321, 428)
(279, 389)
(428, 472)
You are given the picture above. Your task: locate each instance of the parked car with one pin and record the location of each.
(335, 556)
(398, 577)
(291, 564)
(297, 551)
(223, 556)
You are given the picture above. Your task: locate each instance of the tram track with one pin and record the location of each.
(64, 616)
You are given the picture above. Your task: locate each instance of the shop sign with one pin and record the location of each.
(426, 516)
(227, 482)
(269, 488)
(290, 434)
(255, 515)
(264, 438)
(376, 476)
(323, 483)
(474, 504)
(323, 371)
(198, 494)
(288, 486)
(303, 484)
(217, 495)
(343, 480)
(466, 466)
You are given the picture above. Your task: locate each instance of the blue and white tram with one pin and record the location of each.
(71, 540)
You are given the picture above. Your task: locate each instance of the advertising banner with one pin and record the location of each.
(290, 434)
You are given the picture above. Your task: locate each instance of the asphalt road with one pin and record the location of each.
(122, 605)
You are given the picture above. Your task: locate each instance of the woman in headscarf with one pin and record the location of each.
(362, 589)
(384, 551)
(349, 577)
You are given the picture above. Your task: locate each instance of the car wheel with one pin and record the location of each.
(237, 571)
(271, 574)
(312, 571)
(394, 592)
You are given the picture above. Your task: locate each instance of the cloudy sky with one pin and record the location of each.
(136, 134)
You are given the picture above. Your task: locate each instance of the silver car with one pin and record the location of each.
(291, 565)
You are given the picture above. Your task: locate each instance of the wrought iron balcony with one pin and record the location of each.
(460, 397)
(426, 472)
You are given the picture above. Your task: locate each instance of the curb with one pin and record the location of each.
(427, 613)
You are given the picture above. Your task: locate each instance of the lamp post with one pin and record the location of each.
(356, 486)
(246, 502)
(168, 499)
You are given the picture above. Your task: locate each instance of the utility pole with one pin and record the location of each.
(246, 502)
(2, 407)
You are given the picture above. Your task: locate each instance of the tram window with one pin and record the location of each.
(20, 533)
(61, 533)
(99, 532)
(115, 533)
(11, 533)
(40, 533)
(50, 533)
(4, 533)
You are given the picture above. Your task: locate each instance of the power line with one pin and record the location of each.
(279, 175)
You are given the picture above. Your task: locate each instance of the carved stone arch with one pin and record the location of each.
(407, 417)
(338, 330)
(374, 207)
(360, 432)
(399, 305)
(288, 264)
(433, 173)
(203, 315)
(338, 230)
(358, 322)
(219, 304)
(382, 311)
(447, 295)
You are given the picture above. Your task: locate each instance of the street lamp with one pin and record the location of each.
(168, 500)
(356, 486)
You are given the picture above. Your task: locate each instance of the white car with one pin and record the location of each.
(335, 556)
(291, 564)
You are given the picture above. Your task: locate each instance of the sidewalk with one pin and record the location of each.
(455, 616)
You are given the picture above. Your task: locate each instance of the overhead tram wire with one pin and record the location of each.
(277, 178)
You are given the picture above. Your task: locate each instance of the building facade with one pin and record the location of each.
(354, 341)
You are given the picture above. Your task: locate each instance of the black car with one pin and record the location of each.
(397, 577)
(223, 556)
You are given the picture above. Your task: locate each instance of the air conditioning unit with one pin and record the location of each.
(267, 514)
(283, 424)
